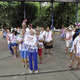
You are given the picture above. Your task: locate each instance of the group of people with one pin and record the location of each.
(72, 37)
(31, 43)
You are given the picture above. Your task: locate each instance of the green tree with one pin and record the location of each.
(64, 13)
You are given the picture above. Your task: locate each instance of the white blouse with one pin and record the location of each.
(48, 36)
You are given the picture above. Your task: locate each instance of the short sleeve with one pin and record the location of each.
(75, 41)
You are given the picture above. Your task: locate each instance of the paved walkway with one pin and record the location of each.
(54, 67)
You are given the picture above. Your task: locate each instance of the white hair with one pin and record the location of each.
(33, 31)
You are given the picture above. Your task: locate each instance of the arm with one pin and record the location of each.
(52, 37)
(75, 49)
(41, 40)
(44, 38)
(69, 38)
(19, 42)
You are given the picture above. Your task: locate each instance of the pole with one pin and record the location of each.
(77, 12)
(52, 17)
(24, 10)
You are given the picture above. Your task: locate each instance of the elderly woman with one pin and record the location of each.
(31, 41)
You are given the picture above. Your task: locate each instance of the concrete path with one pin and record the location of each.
(54, 67)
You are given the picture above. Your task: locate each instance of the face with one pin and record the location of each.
(37, 33)
(47, 29)
(8, 30)
(31, 32)
(14, 32)
(76, 27)
(23, 31)
(70, 30)
(42, 29)
(72, 26)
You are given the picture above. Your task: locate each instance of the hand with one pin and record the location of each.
(75, 53)
(10, 42)
(21, 41)
(37, 43)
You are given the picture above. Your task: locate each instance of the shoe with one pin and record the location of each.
(45, 53)
(15, 56)
(76, 61)
(50, 53)
(30, 71)
(71, 68)
(25, 65)
(71, 60)
(41, 63)
(36, 71)
(77, 68)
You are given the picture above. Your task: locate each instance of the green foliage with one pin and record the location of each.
(64, 13)
(12, 14)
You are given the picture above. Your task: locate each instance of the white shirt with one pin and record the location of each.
(67, 35)
(48, 36)
(43, 33)
(13, 38)
(8, 37)
(27, 31)
(40, 37)
(31, 41)
(77, 43)
(22, 46)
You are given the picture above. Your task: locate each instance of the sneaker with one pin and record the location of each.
(30, 71)
(45, 53)
(50, 53)
(25, 65)
(41, 63)
(15, 56)
(71, 60)
(36, 71)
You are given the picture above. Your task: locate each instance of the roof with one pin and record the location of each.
(45, 0)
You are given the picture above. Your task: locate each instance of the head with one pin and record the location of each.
(76, 27)
(23, 25)
(62, 26)
(8, 30)
(14, 32)
(23, 31)
(32, 32)
(42, 28)
(47, 29)
(70, 29)
(76, 34)
(37, 33)
(72, 26)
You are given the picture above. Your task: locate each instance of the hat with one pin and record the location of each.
(78, 32)
(70, 29)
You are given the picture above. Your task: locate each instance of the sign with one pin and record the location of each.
(30, 40)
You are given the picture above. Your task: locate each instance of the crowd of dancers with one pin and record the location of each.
(72, 37)
(31, 43)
